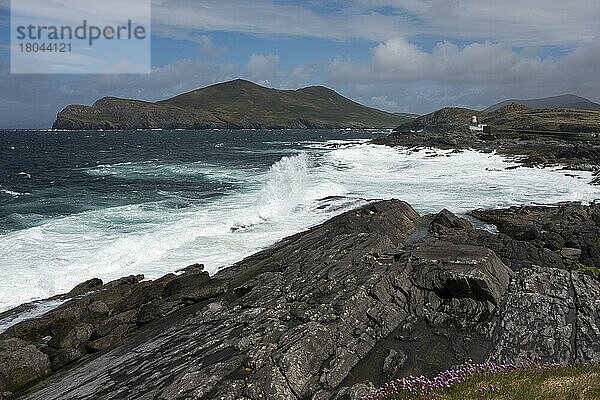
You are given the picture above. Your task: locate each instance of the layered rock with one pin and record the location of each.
(372, 294)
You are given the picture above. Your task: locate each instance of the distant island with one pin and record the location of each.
(565, 101)
(236, 104)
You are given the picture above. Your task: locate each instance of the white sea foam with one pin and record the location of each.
(154, 170)
(13, 193)
(297, 192)
(37, 309)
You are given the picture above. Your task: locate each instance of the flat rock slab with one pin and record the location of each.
(326, 313)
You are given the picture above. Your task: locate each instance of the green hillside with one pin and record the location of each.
(509, 118)
(235, 104)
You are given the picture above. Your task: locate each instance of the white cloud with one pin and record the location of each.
(302, 75)
(476, 75)
(265, 70)
(267, 17)
(518, 22)
(384, 103)
(397, 60)
(262, 67)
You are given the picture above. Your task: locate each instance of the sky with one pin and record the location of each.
(398, 55)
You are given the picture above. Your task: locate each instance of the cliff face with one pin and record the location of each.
(372, 294)
(236, 104)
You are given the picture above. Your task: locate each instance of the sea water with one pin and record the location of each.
(78, 205)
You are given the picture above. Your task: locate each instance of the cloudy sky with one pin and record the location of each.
(398, 55)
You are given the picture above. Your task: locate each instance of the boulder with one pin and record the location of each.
(185, 283)
(98, 310)
(72, 338)
(20, 364)
(108, 325)
(454, 271)
(104, 343)
(65, 357)
(570, 254)
(86, 287)
(445, 220)
(194, 286)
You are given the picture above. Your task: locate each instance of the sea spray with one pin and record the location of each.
(283, 189)
(265, 187)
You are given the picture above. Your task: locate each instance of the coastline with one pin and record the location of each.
(573, 152)
(376, 268)
(282, 200)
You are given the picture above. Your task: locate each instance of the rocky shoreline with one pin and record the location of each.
(579, 153)
(372, 294)
(446, 129)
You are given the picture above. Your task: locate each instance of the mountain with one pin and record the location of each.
(566, 101)
(234, 104)
(508, 118)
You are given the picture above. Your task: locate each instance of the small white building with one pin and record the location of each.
(477, 127)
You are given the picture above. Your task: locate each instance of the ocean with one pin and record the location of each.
(78, 205)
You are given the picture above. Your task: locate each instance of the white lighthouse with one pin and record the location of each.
(477, 127)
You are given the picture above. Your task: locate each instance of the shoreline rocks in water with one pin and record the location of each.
(372, 294)
(517, 131)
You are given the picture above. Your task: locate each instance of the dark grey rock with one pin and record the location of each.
(185, 283)
(316, 315)
(65, 357)
(356, 392)
(98, 309)
(454, 271)
(20, 364)
(445, 220)
(548, 315)
(393, 363)
(72, 338)
(86, 287)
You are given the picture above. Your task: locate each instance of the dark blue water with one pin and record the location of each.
(78, 205)
(54, 174)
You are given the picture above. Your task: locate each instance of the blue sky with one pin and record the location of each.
(398, 55)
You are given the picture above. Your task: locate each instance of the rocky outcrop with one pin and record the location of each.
(548, 314)
(369, 295)
(96, 318)
(570, 230)
(538, 138)
(453, 271)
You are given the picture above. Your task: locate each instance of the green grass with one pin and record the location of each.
(584, 269)
(554, 383)
(513, 119)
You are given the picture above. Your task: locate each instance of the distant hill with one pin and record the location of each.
(508, 117)
(234, 104)
(566, 101)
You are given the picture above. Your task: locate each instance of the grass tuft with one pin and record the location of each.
(498, 382)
